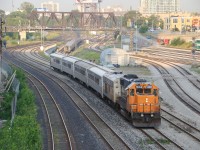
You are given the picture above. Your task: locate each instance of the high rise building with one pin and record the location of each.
(159, 6)
(87, 5)
(50, 6)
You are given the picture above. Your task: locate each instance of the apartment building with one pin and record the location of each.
(159, 6)
(183, 23)
(50, 6)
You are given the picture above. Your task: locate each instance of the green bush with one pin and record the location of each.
(5, 109)
(14, 42)
(143, 29)
(25, 132)
(177, 41)
(7, 38)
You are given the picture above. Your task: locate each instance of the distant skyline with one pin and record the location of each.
(68, 5)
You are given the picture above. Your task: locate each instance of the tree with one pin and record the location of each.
(154, 21)
(16, 18)
(135, 17)
(143, 29)
(2, 13)
(27, 7)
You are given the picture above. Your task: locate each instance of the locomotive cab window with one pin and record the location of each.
(139, 91)
(147, 91)
(155, 92)
(132, 92)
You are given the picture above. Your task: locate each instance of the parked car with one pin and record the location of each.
(116, 65)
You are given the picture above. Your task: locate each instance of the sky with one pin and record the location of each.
(68, 5)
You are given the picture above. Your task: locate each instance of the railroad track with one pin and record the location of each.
(182, 125)
(160, 139)
(58, 135)
(194, 80)
(175, 88)
(167, 140)
(99, 125)
(59, 132)
(183, 56)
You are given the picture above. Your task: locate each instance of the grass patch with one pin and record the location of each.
(43, 55)
(52, 35)
(86, 54)
(196, 68)
(138, 70)
(146, 141)
(12, 43)
(180, 43)
(163, 141)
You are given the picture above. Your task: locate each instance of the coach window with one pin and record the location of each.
(57, 61)
(91, 76)
(97, 80)
(69, 66)
(64, 64)
(76, 69)
(106, 88)
(132, 92)
(82, 72)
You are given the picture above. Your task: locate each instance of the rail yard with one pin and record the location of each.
(73, 116)
(100, 75)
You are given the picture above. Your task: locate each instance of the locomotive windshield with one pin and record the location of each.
(147, 91)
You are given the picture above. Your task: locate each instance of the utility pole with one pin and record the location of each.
(136, 38)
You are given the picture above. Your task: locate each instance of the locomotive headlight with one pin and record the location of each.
(147, 100)
(142, 115)
(152, 115)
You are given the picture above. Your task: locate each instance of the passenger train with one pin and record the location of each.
(135, 98)
(72, 44)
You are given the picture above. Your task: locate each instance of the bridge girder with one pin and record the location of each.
(83, 20)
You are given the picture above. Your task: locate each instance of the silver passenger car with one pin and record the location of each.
(81, 70)
(68, 65)
(112, 87)
(56, 60)
(95, 79)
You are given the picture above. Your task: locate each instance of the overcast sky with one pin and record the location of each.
(68, 5)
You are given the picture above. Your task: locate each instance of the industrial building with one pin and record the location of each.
(114, 56)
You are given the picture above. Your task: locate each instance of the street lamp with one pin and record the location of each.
(136, 33)
(121, 31)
